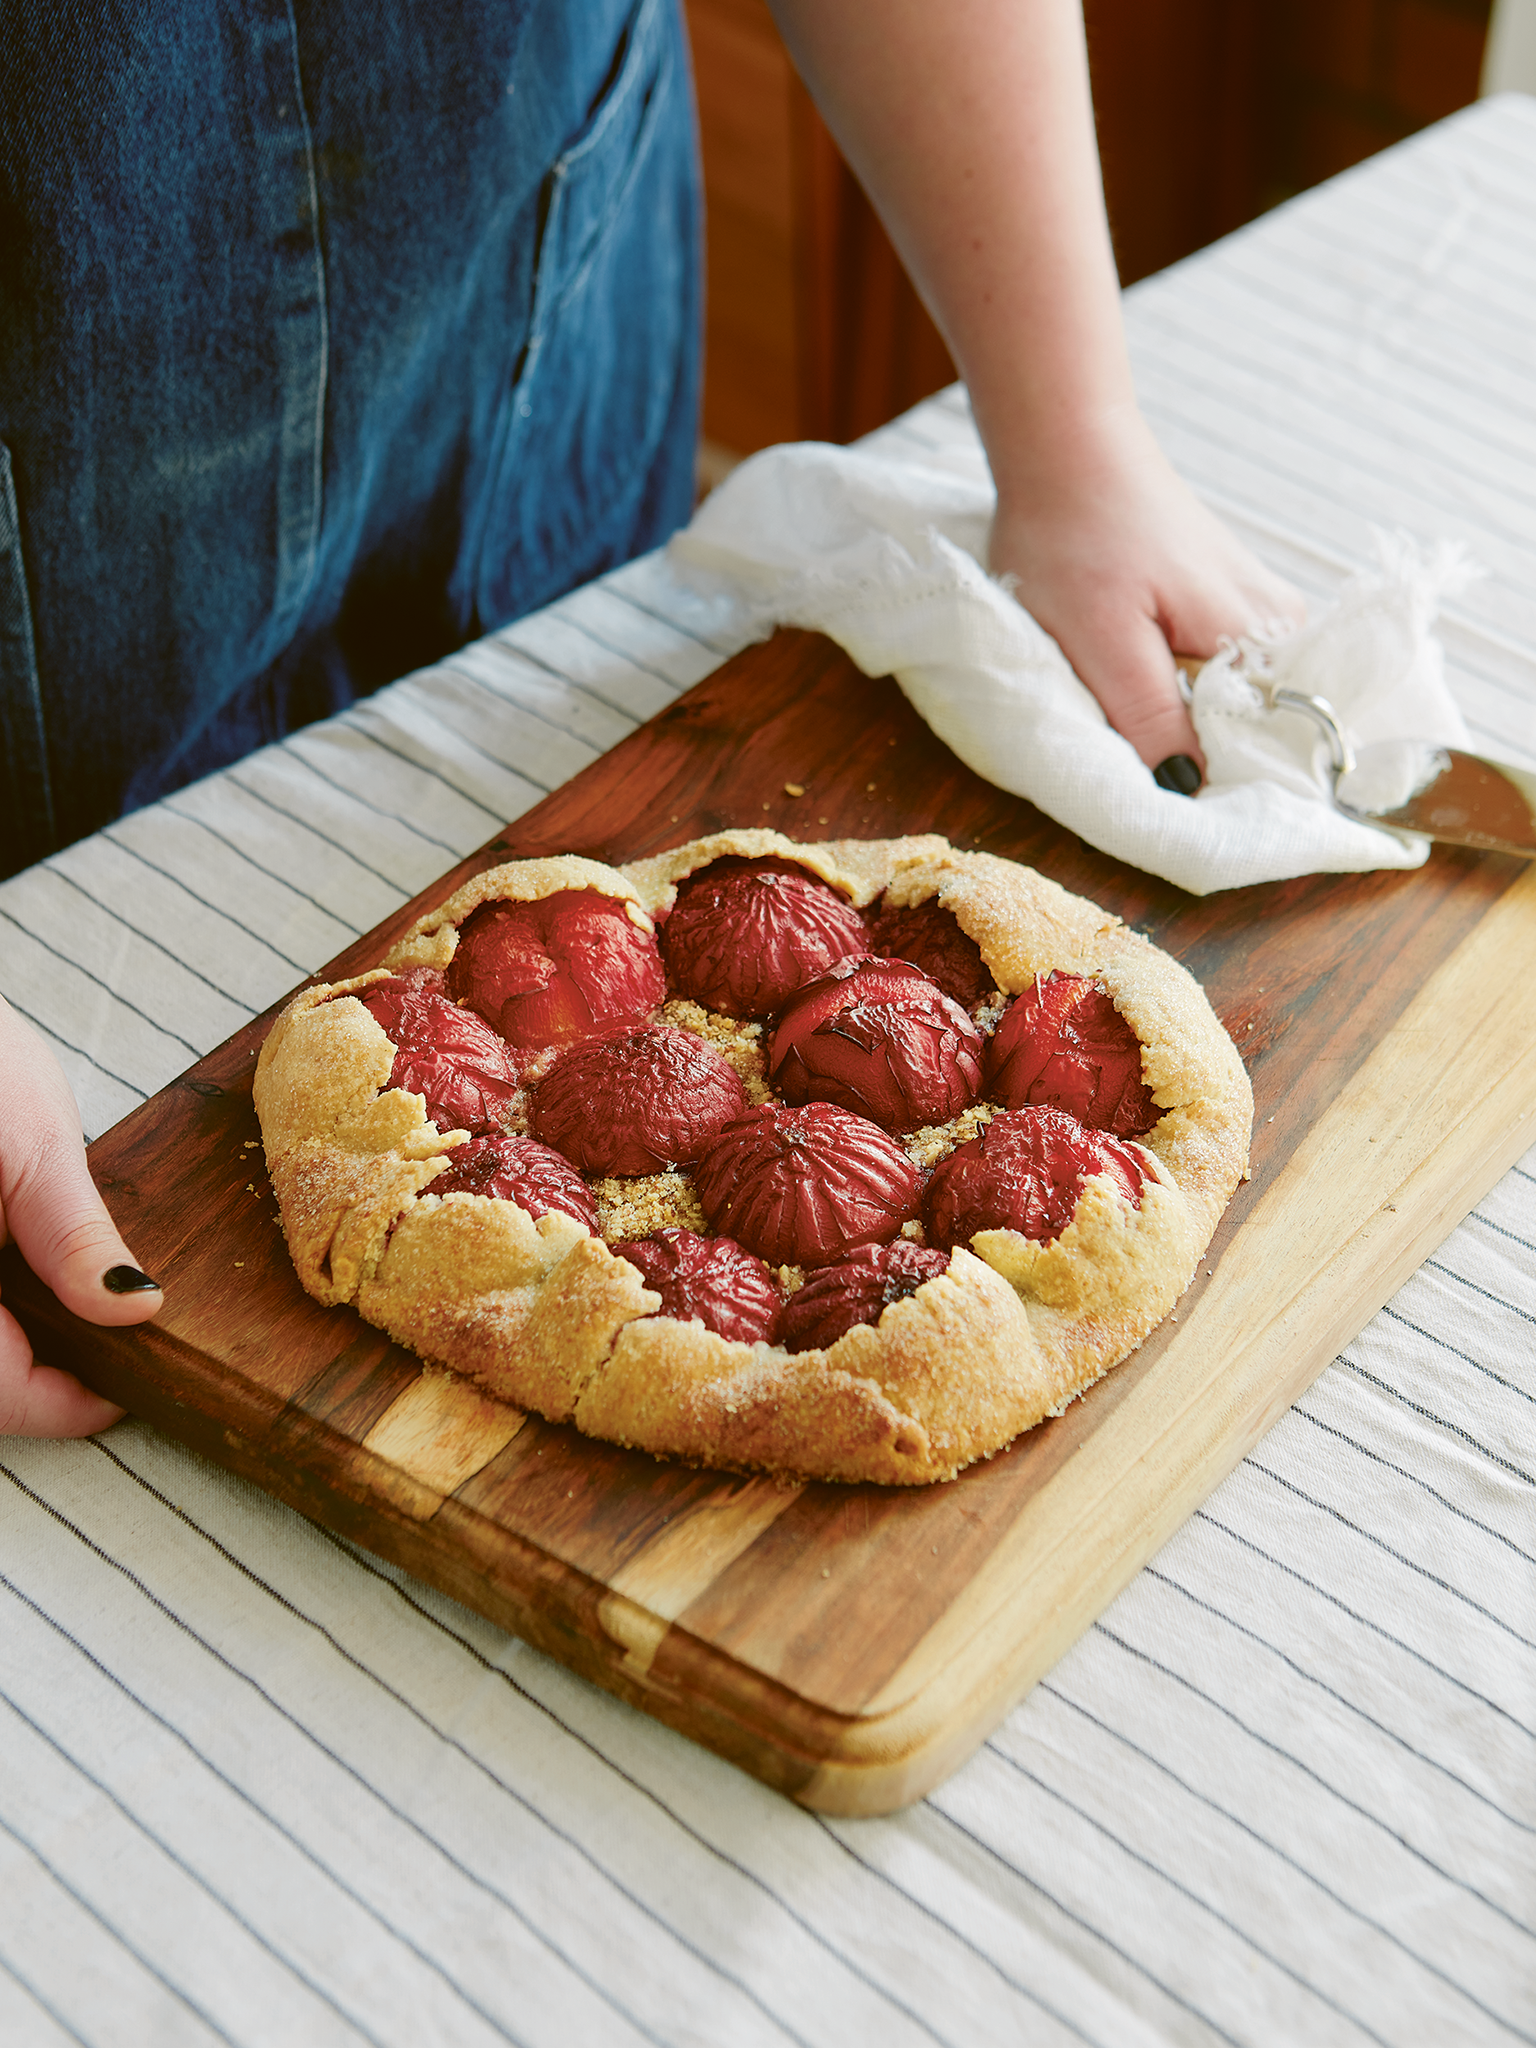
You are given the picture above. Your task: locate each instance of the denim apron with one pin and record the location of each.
(331, 336)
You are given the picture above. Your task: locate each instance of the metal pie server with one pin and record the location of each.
(1407, 785)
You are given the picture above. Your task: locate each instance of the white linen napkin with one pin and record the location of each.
(887, 558)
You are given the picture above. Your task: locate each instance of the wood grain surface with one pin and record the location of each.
(851, 1644)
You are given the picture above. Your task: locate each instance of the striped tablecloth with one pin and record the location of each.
(257, 1787)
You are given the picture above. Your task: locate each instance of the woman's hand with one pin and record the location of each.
(1109, 549)
(50, 1208)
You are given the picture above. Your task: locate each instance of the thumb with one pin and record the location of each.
(62, 1229)
(48, 1201)
(49, 1205)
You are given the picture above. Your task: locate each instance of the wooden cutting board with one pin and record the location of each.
(852, 1644)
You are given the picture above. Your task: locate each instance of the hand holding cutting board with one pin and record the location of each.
(50, 1207)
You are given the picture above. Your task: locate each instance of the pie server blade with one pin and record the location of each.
(1414, 786)
(1409, 785)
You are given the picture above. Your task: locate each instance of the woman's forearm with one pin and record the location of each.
(971, 126)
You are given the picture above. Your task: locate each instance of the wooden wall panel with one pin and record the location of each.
(1344, 78)
(1175, 86)
(813, 330)
(747, 133)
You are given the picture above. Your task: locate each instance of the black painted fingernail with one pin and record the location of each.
(128, 1280)
(1180, 773)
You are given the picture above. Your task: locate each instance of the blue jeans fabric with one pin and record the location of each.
(330, 337)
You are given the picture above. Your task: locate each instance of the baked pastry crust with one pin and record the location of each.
(548, 1318)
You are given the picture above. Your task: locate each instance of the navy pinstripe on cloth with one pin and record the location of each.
(257, 1787)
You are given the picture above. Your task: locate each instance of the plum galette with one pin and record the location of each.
(847, 1161)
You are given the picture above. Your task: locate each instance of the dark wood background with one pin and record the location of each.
(1209, 111)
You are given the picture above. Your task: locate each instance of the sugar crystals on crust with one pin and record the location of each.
(547, 1317)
